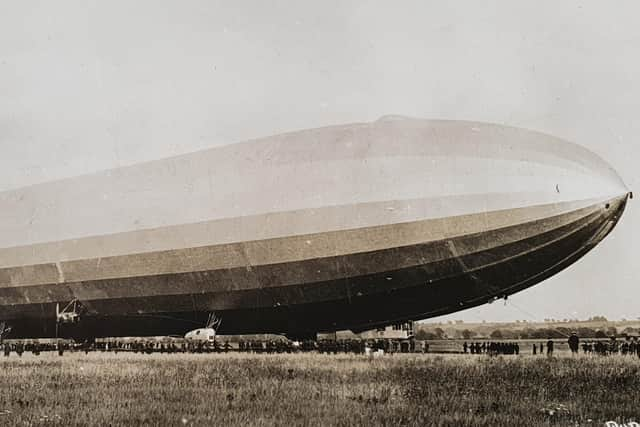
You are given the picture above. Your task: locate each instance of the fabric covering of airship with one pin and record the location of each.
(344, 227)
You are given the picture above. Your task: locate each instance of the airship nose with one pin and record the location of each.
(589, 175)
(598, 181)
(563, 173)
(593, 178)
(612, 211)
(607, 183)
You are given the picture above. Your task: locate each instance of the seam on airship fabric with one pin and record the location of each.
(211, 258)
(503, 238)
(78, 290)
(113, 245)
(427, 229)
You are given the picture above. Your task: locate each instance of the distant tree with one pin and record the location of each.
(539, 333)
(439, 332)
(425, 335)
(612, 331)
(527, 333)
(544, 333)
(598, 319)
(496, 334)
(509, 334)
(467, 334)
(586, 332)
(600, 334)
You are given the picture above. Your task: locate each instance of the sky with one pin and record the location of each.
(87, 86)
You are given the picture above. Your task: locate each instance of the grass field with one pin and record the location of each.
(245, 389)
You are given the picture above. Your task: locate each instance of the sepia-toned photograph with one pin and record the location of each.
(323, 213)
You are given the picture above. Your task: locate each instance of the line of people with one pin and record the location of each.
(540, 348)
(630, 346)
(31, 347)
(355, 346)
(491, 348)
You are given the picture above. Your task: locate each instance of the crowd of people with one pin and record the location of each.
(148, 346)
(491, 348)
(359, 346)
(629, 346)
(611, 346)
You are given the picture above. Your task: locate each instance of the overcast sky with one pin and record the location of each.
(88, 85)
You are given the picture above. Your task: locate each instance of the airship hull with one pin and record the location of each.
(302, 259)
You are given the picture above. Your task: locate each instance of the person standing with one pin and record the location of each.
(574, 343)
(549, 347)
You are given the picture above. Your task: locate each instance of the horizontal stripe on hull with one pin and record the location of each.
(424, 289)
(190, 240)
(448, 255)
(251, 254)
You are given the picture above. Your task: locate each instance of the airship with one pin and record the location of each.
(342, 227)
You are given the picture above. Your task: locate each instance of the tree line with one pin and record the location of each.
(525, 333)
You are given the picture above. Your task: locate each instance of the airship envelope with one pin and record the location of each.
(343, 227)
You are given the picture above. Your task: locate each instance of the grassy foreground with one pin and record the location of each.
(244, 389)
